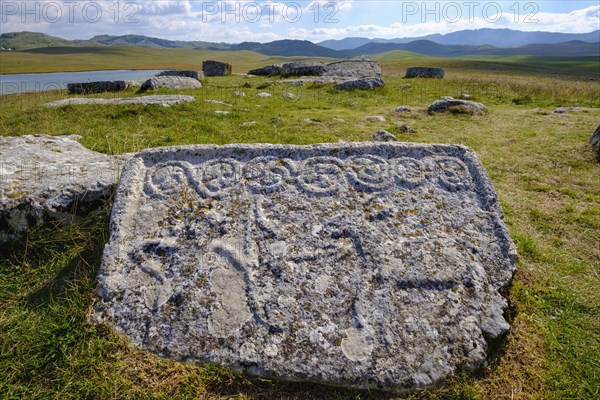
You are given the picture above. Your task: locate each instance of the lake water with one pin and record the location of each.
(20, 83)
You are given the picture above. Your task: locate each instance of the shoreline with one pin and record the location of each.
(81, 70)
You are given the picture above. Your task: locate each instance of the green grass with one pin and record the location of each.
(545, 173)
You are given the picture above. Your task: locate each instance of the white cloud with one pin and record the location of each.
(237, 21)
(578, 21)
(396, 30)
(164, 7)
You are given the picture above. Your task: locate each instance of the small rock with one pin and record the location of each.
(295, 82)
(457, 106)
(310, 121)
(405, 129)
(465, 96)
(424, 72)
(289, 96)
(402, 109)
(264, 94)
(221, 112)
(384, 136)
(249, 123)
(560, 110)
(375, 118)
(239, 93)
(219, 102)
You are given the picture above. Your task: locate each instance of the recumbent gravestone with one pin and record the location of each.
(374, 265)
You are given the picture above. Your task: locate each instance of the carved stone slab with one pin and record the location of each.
(51, 178)
(367, 265)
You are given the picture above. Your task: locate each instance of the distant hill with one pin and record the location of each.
(37, 42)
(287, 48)
(154, 43)
(427, 47)
(276, 48)
(349, 43)
(477, 37)
(28, 40)
(31, 40)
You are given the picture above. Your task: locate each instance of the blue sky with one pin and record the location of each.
(237, 21)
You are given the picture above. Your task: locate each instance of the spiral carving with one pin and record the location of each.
(452, 174)
(369, 173)
(267, 174)
(322, 176)
(167, 179)
(218, 177)
(409, 172)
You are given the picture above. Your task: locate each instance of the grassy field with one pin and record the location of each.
(58, 59)
(545, 173)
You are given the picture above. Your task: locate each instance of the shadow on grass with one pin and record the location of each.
(223, 382)
(68, 279)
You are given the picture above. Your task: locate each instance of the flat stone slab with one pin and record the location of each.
(161, 100)
(51, 178)
(371, 265)
(100, 87)
(170, 82)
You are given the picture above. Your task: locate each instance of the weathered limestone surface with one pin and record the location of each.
(361, 84)
(216, 68)
(302, 68)
(367, 265)
(268, 70)
(100, 87)
(349, 74)
(161, 100)
(424, 72)
(170, 82)
(353, 69)
(198, 75)
(54, 178)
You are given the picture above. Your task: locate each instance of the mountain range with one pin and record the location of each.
(479, 37)
(463, 43)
